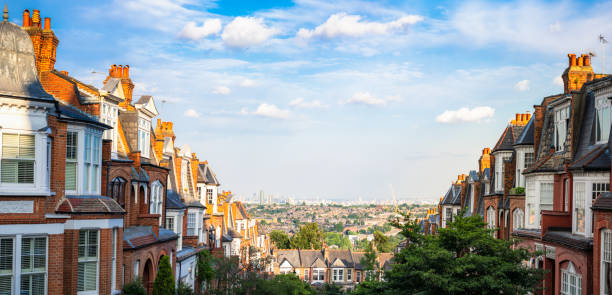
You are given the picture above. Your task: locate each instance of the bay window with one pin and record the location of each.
(18, 155)
(530, 196)
(603, 114)
(88, 261)
(561, 123)
(571, 282)
(83, 172)
(586, 188)
(598, 188)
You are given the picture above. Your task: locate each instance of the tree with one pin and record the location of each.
(183, 289)
(461, 259)
(310, 236)
(339, 227)
(288, 284)
(205, 271)
(338, 239)
(368, 262)
(280, 239)
(134, 287)
(164, 281)
(380, 240)
(330, 289)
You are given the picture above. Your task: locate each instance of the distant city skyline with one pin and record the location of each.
(331, 99)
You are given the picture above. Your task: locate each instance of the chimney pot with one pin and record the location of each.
(580, 61)
(126, 72)
(47, 24)
(36, 18)
(517, 117)
(587, 60)
(572, 59)
(113, 71)
(26, 18)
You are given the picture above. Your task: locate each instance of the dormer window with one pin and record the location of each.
(561, 122)
(108, 116)
(144, 137)
(603, 113)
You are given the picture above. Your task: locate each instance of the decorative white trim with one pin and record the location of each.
(45, 228)
(93, 223)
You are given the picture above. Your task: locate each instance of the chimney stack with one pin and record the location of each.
(47, 27)
(126, 72)
(572, 59)
(26, 18)
(587, 60)
(581, 61)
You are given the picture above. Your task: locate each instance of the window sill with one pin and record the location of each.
(32, 193)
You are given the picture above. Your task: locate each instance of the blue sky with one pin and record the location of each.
(332, 99)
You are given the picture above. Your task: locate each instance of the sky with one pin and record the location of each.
(332, 99)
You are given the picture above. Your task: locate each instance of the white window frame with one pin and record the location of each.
(109, 114)
(156, 203)
(191, 223)
(349, 275)
(18, 158)
(500, 157)
(358, 276)
(518, 219)
(605, 259)
(561, 117)
(548, 188)
(491, 218)
(17, 268)
(602, 106)
(571, 282)
(306, 275)
(338, 274)
(91, 185)
(587, 180)
(318, 273)
(97, 260)
(144, 136)
(209, 196)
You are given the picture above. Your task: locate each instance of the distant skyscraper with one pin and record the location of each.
(269, 199)
(262, 198)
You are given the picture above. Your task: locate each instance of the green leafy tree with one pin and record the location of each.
(461, 259)
(339, 227)
(288, 284)
(330, 289)
(134, 287)
(280, 239)
(368, 262)
(380, 240)
(310, 236)
(338, 239)
(205, 271)
(183, 289)
(164, 281)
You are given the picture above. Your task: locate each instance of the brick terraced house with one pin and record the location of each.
(91, 195)
(550, 184)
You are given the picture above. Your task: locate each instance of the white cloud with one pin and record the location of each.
(194, 32)
(558, 81)
(271, 111)
(191, 113)
(344, 25)
(465, 115)
(246, 31)
(301, 103)
(247, 83)
(365, 98)
(555, 27)
(223, 90)
(522, 85)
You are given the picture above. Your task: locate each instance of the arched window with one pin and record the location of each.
(606, 261)
(117, 190)
(518, 219)
(155, 206)
(571, 282)
(491, 219)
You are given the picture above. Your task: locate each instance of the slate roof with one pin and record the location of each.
(566, 238)
(173, 200)
(143, 99)
(18, 74)
(233, 233)
(66, 111)
(474, 175)
(206, 175)
(453, 196)
(308, 257)
(135, 237)
(343, 255)
(589, 155)
(527, 136)
(603, 202)
(293, 256)
(89, 204)
(506, 141)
